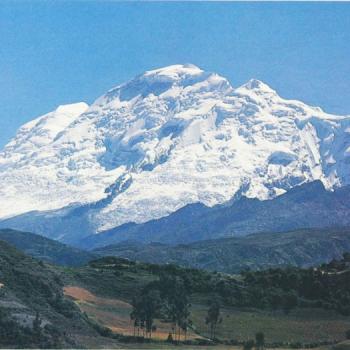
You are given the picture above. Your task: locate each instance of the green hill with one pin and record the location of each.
(301, 248)
(46, 249)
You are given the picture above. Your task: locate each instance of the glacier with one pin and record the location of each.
(165, 139)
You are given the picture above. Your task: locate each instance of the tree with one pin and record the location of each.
(151, 307)
(37, 328)
(145, 309)
(136, 315)
(136, 325)
(185, 325)
(213, 317)
(180, 313)
(177, 305)
(259, 341)
(170, 338)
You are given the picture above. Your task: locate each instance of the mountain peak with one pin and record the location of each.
(156, 82)
(174, 71)
(257, 85)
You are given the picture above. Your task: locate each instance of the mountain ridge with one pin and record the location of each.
(307, 206)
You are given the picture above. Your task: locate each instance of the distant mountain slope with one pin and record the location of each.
(168, 138)
(305, 206)
(303, 248)
(46, 249)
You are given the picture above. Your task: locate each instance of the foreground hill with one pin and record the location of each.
(168, 138)
(301, 248)
(45, 249)
(33, 309)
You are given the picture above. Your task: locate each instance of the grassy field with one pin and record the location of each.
(300, 326)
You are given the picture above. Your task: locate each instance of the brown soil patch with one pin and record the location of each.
(113, 313)
(83, 295)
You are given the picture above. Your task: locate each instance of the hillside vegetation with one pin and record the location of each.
(303, 248)
(33, 309)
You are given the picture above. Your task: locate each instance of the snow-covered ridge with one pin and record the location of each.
(167, 138)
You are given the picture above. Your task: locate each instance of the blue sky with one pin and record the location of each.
(61, 52)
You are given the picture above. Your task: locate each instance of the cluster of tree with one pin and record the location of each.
(167, 299)
(146, 308)
(281, 288)
(327, 286)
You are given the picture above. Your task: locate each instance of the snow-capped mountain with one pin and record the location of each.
(170, 137)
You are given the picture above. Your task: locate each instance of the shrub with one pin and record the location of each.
(170, 338)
